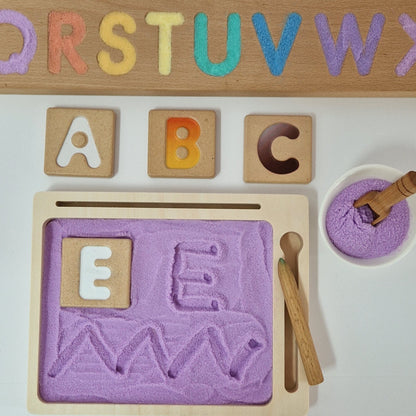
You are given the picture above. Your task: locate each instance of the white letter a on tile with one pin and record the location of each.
(89, 149)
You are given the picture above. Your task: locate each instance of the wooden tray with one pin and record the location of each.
(285, 213)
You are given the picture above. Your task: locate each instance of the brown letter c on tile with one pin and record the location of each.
(264, 148)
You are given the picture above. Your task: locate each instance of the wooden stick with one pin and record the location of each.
(300, 326)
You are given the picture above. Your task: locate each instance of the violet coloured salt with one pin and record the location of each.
(350, 228)
(199, 329)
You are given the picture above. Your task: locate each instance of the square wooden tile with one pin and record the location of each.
(277, 149)
(80, 142)
(181, 144)
(96, 272)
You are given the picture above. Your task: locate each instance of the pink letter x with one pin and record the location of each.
(410, 59)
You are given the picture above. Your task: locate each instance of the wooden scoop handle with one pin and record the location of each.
(300, 326)
(396, 192)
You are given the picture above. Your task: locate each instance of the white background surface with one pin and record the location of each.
(363, 321)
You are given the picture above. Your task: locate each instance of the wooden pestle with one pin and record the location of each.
(380, 202)
(300, 326)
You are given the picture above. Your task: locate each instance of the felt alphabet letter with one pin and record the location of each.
(409, 60)
(349, 37)
(117, 42)
(276, 57)
(59, 44)
(19, 62)
(165, 21)
(233, 46)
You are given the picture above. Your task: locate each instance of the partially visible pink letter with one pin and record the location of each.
(409, 60)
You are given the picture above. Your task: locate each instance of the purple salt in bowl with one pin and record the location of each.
(386, 245)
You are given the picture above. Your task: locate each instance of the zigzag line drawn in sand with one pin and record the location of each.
(231, 366)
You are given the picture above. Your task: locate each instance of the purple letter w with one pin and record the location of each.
(349, 37)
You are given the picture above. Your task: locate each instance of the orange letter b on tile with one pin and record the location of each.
(182, 151)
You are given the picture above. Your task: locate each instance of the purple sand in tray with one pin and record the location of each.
(199, 328)
(350, 228)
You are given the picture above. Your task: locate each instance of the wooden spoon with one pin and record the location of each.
(300, 326)
(380, 202)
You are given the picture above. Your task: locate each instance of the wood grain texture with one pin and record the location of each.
(305, 73)
(300, 325)
(284, 212)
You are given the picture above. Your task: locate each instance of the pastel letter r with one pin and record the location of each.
(59, 44)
